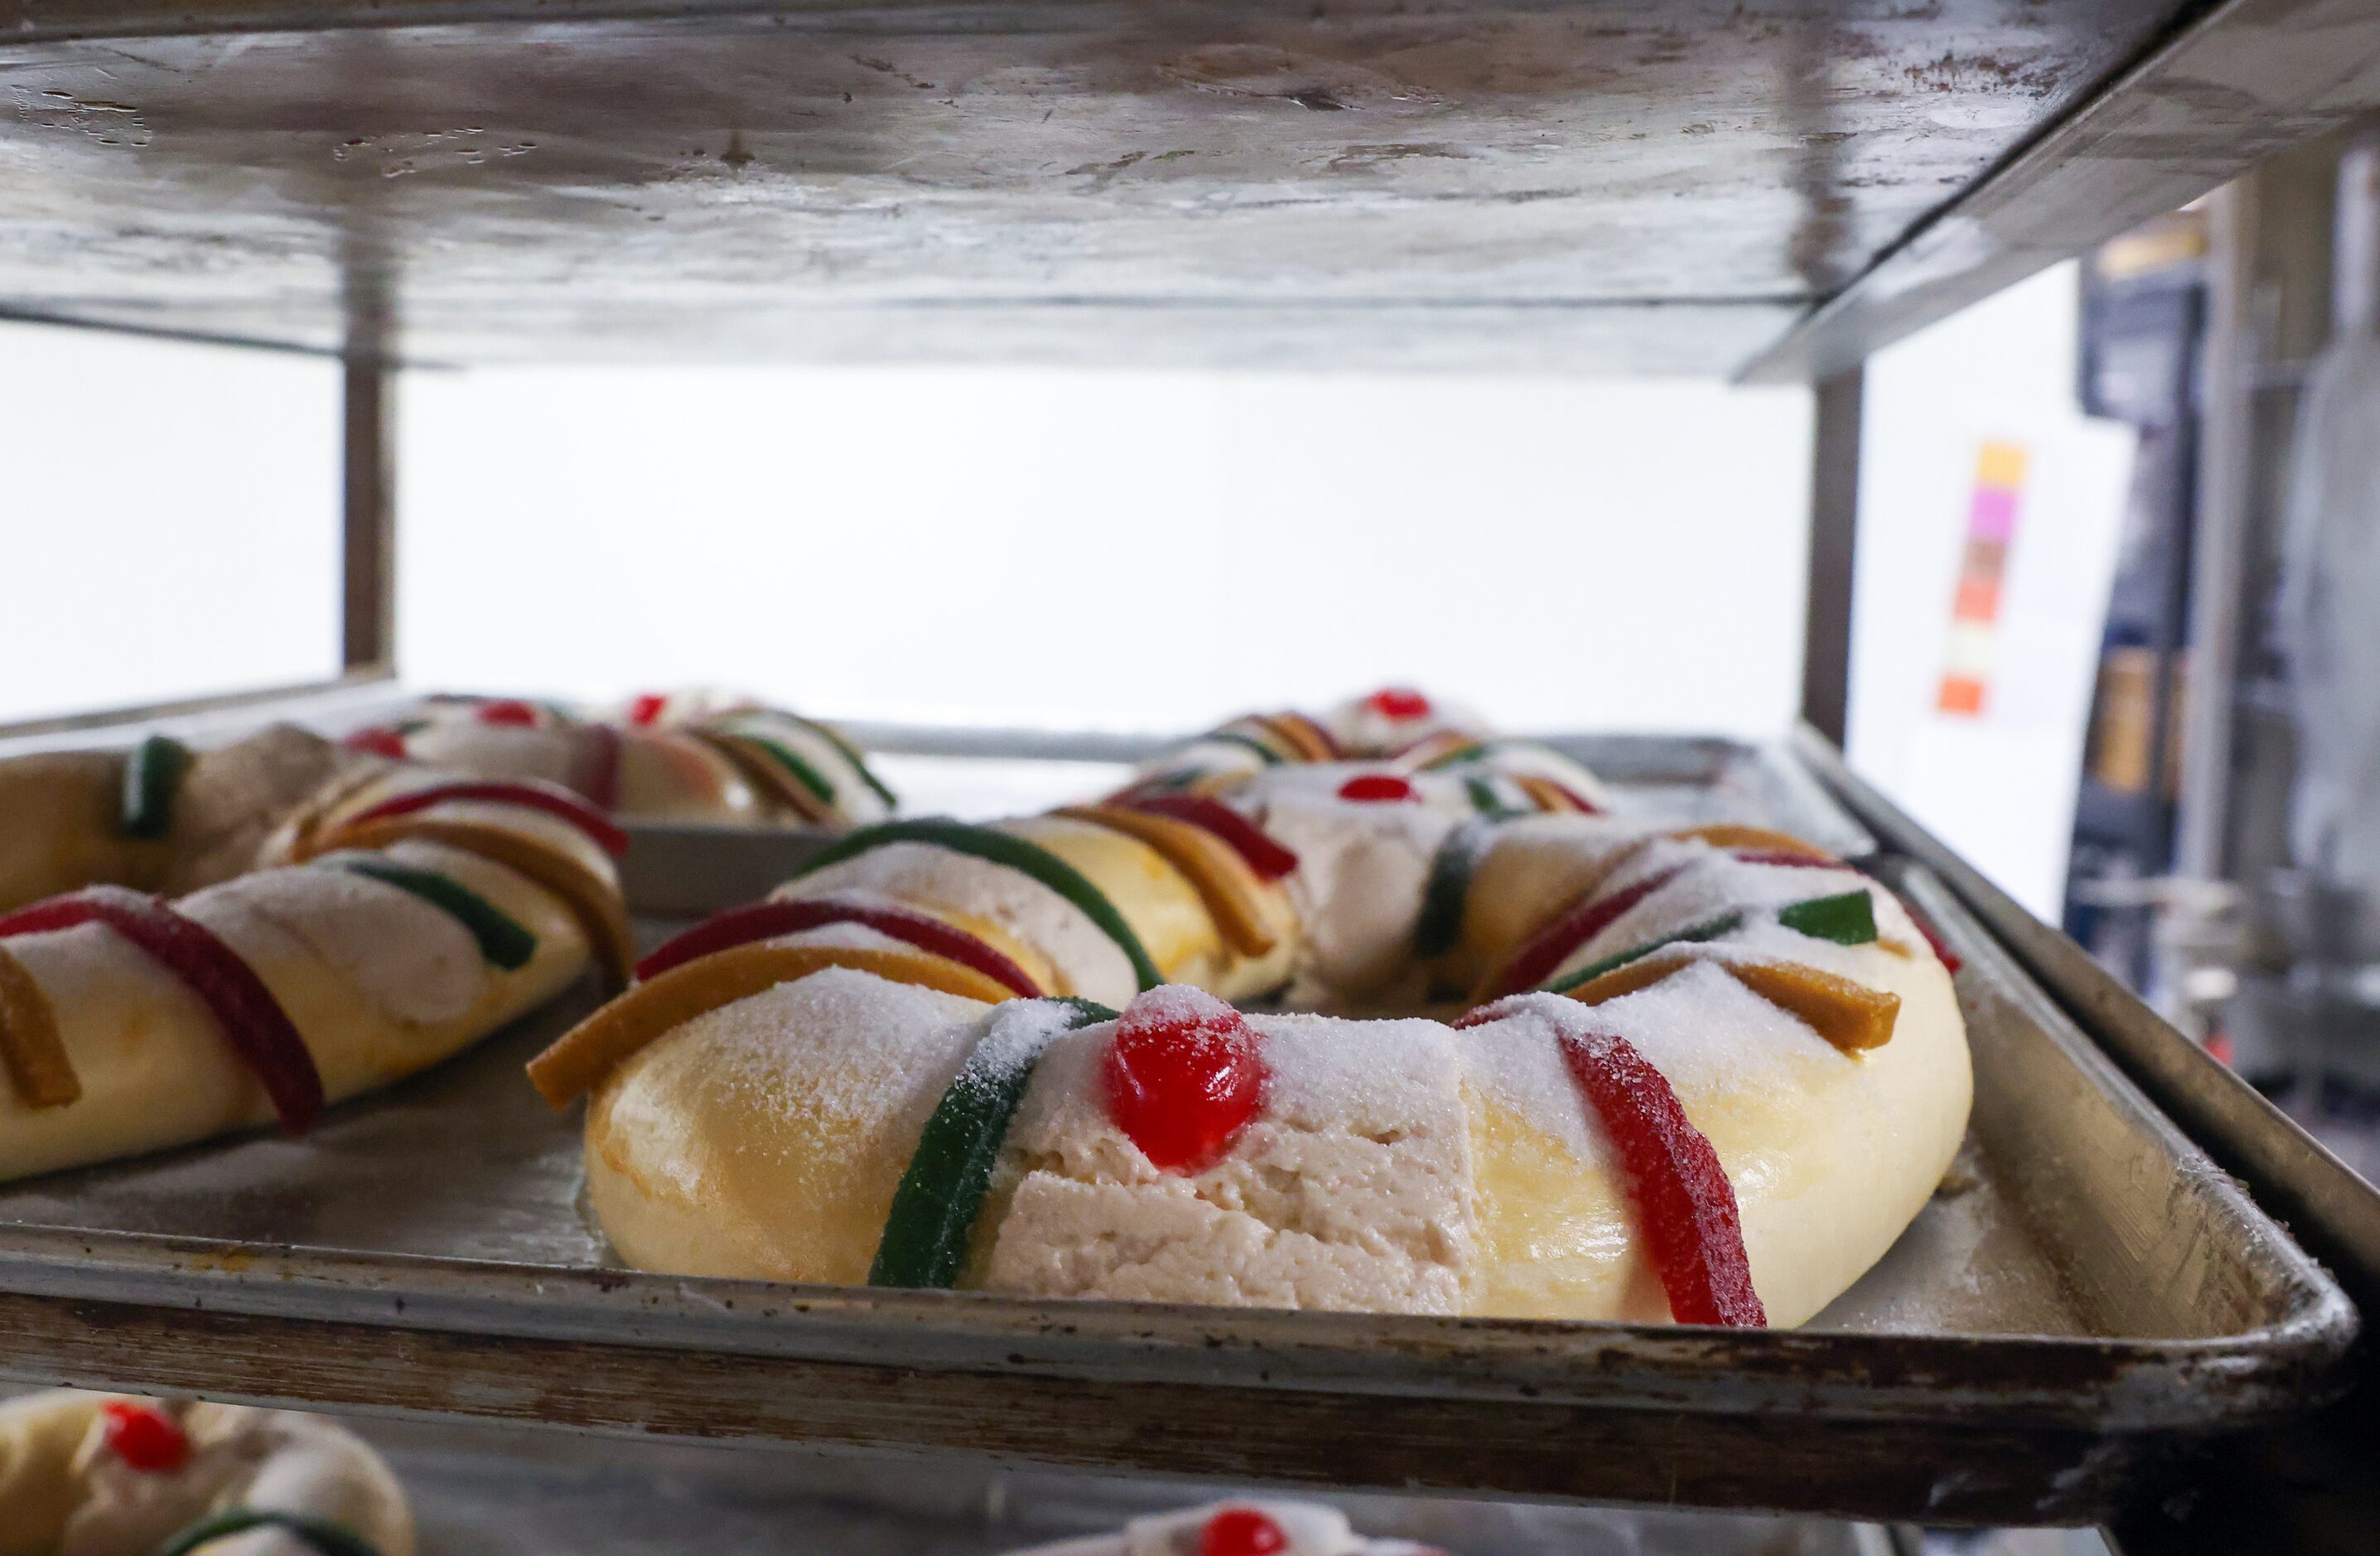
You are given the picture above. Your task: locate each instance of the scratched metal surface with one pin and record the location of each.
(1599, 185)
(2255, 79)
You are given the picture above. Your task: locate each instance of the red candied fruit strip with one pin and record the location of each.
(378, 740)
(1784, 860)
(1377, 787)
(1549, 947)
(1685, 1207)
(1952, 961)
(1398, 702)
(553, 800)
(1683, 1200)
(600, 767)
(260, 1031)
(1184, 1074)
(646, 707)
(145, 1437)
(506, 711)
(767, 920)
(1267, 857)
(1586, 805)
(1241, 1531)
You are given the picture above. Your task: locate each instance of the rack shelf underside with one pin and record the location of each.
(1702, 188)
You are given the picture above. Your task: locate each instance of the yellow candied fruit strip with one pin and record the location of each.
(766, 775)
(1849, 1014)
(1545, 794)
(593, 901)
(580, 1058)
(1299, 735)
(1223, 880)
(1623, 981)
(31, 1049)
(1430, 748)
(1726, 834)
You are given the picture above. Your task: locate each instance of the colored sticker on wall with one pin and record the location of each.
(1975, 602)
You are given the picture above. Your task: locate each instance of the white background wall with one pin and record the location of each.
(2000, 787)
(1109, 549)
(2000, 367)
(168, 519)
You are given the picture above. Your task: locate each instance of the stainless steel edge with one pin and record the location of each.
(2240, 82)
(2307, 1486)
(1794, 792)
(2106, 1387)
(2335, 1213)
(989, 740)
(1522, 184)
(122, 726)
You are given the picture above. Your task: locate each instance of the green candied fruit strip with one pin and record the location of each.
(152, 774)
(842, 742)
(941, 1194)
(1442, 899)
(1725, 924)
(1847, 919)
(1485, 800)
(999, 848)
(804, 773)
(1478, 751)
(326, 1538)
(1090, 1011)
(503, 940)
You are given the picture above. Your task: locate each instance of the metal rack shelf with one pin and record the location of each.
(1770, 189)
(1698, 187)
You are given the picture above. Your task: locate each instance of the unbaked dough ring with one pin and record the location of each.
(1795, 1010)
(364, 950)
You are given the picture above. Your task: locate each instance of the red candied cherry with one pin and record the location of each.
(1183, 1075)
(645, 709)
(145, 1437)
(1241, 1531)
(379, 741)
(1398, 702)
(1375, 787)
(507, 711)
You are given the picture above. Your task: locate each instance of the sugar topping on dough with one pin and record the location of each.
(1349, 1191)
(1710, 1006)
(918, 873)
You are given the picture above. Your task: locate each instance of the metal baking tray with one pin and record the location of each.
(977, 775)
(2086, 1300)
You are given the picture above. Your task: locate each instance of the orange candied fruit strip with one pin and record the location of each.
(1849, 1014)
(1226, 885)
(1726, 834)
(580, 1058)
(31, 1049)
